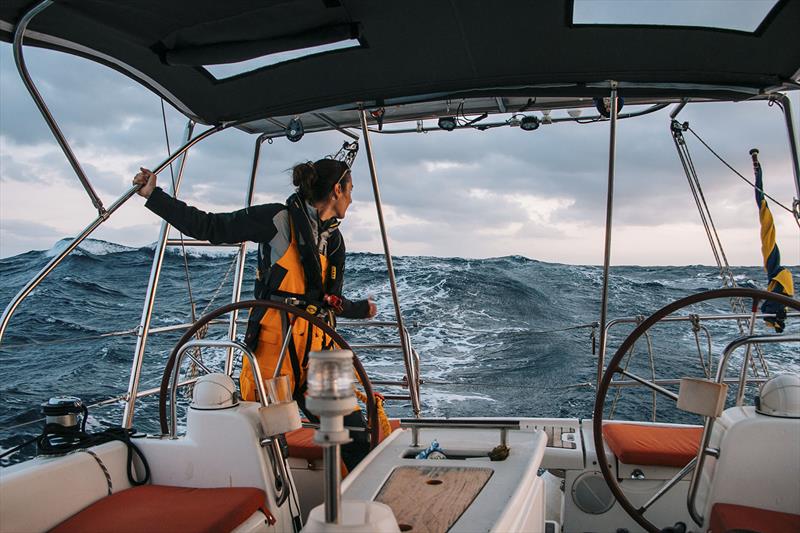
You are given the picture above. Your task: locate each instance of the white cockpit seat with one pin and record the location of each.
(758, 465)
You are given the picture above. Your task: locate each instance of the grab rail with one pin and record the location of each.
(708, 426)
(688, 318)
(281, 487)
(415, 424)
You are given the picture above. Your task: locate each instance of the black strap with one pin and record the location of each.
(309, 255)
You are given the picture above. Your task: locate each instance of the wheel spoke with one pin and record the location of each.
(668, 485)
(650, 384)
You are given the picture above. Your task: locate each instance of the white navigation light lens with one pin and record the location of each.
(330, 374)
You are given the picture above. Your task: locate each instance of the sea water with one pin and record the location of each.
(507, 336)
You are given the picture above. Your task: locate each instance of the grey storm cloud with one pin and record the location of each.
(451, 182)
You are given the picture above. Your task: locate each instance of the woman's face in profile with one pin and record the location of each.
(343, 196)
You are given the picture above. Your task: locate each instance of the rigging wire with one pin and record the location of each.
(753, 185)
(175, 192)
(729, 280)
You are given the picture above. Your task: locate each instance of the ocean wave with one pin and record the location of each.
(501, 322)
(88, 246)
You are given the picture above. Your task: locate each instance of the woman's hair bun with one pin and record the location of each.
(315, 181)
(304, 176)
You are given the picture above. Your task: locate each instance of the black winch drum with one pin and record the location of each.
(63, 410)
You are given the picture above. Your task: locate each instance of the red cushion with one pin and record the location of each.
(636, 444)
(727, 516)
(301, 442)
(157, 508)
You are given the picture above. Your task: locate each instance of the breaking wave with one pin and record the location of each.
(502, 336)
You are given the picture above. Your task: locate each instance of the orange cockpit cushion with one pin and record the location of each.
(301, 442)
(727, 517)
(158, 508)
(635, 444)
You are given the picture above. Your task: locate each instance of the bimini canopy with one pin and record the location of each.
(402, 52)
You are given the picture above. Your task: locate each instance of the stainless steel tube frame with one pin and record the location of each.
(281, 487)
(787, 113)
(455, 423)
(19, 59)
(632, 320)
(407, 356)
(152, 286)
(709, 421)
(55, 261)
(332, 457)
(242, 254)
(746, 362)
(612, 146)
(22, 294)
(206, 343)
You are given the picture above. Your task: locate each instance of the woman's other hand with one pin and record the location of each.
(147, 180)
(373, 309)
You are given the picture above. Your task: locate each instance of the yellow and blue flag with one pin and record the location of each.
(780, 278)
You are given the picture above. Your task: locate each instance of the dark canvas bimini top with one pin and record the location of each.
(408, 51)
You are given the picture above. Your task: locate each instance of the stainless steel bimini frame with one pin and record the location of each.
(411, 359)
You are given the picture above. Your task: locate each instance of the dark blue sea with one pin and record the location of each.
(505, 336)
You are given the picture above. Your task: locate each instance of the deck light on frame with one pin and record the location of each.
(447, 123)
(529, 123)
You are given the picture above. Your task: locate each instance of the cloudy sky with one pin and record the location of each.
(462, 193)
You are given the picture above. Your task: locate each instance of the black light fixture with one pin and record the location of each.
(603, 106)
(447, 123)
(294, 131)
(529, 123)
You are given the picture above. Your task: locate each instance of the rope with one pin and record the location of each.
(383, 420)
(696, 328)
(103, 468)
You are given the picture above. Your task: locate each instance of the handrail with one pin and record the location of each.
(143, 330)
(241, 259)
(688, 318)
(19, 59)
(612, 145)
(708, 426)
(22, 294)
(207, 343)
(281, 487)
(415, 424)
(404, 339)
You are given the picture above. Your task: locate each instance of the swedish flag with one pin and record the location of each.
(780, 279)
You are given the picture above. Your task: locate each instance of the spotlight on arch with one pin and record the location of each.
(529, 123)
(447, 123)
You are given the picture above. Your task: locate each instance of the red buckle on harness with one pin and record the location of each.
(334, 302)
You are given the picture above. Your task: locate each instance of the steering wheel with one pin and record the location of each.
(372, 410)
(614, 368)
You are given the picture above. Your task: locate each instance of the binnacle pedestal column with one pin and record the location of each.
(330, 396)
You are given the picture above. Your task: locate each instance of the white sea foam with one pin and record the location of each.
(91, 246)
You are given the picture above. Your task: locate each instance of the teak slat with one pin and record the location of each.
(431, 498)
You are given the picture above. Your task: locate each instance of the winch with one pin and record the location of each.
(64, 411)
